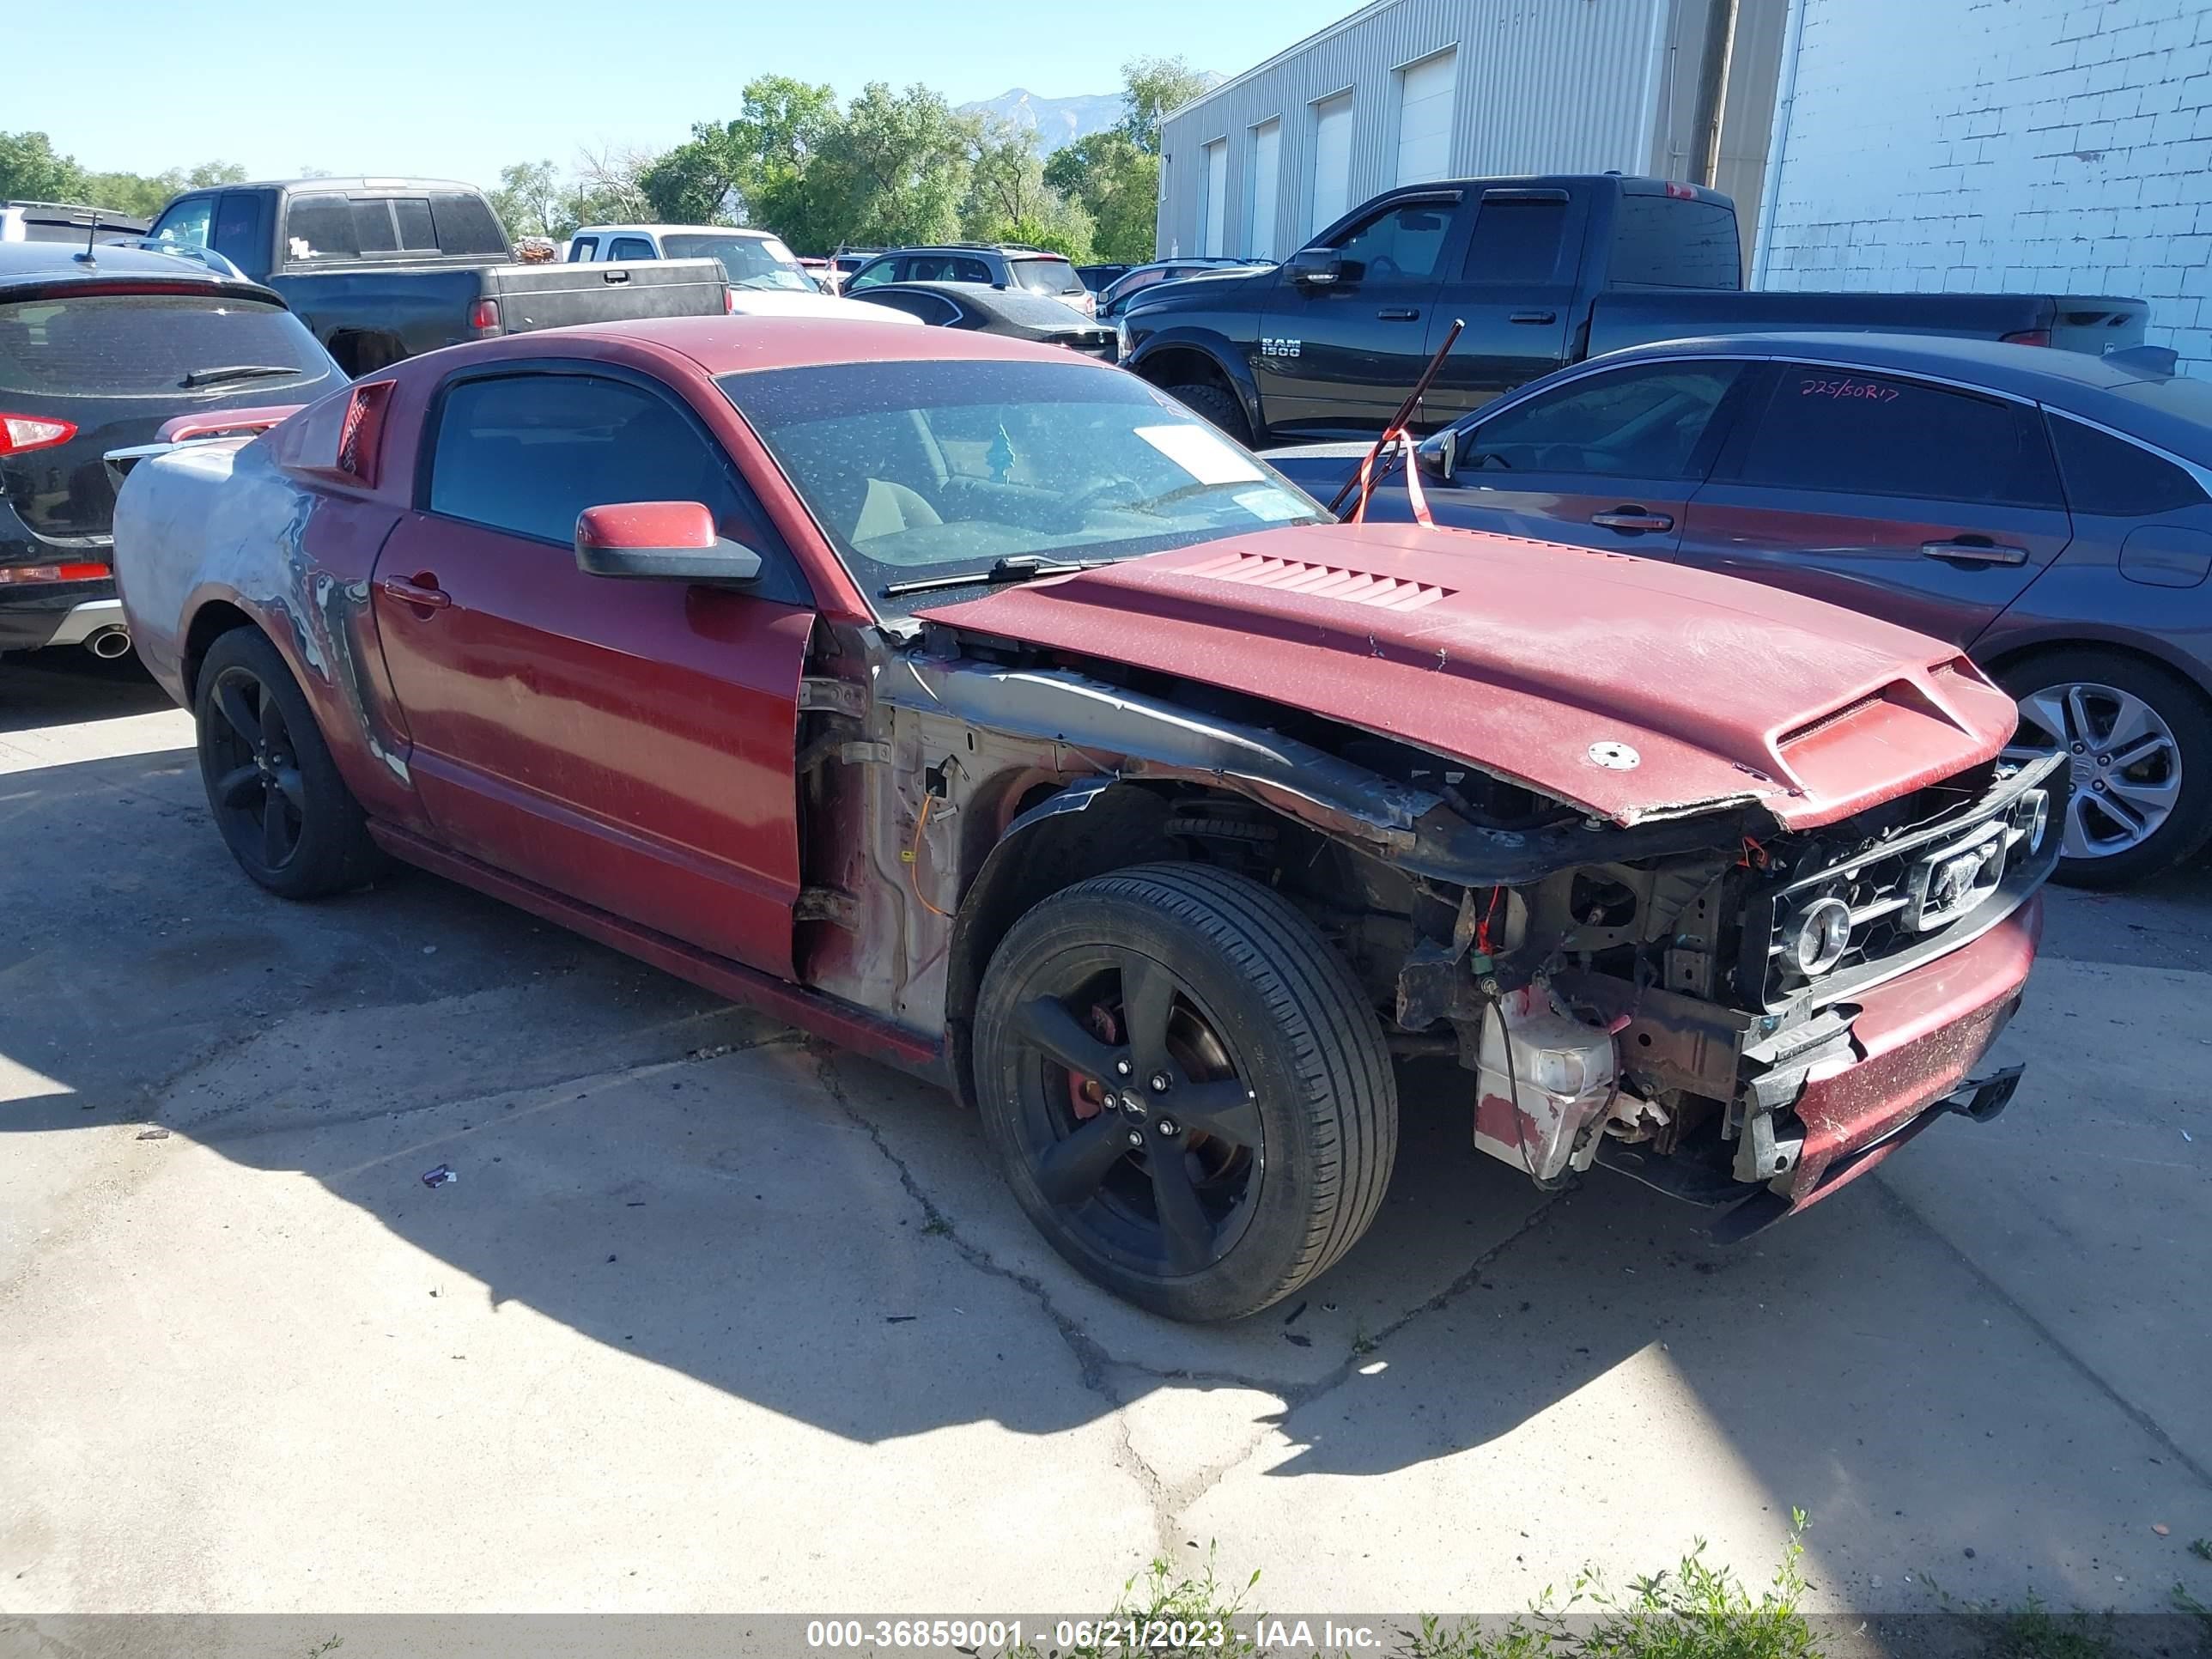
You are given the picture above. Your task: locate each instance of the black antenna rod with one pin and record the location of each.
(91, 233)
(1405, 414)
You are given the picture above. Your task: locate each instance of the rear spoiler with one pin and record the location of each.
(183, 429)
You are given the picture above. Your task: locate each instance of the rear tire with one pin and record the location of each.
(283, 811)
(1218, 406)
(1266, 1154)
(2150, 814)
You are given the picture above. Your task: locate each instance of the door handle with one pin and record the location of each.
(422, 591)
(1398, 314)
(1534, 317)
(1977, 549)
(1633, 518)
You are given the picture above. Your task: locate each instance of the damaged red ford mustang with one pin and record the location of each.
(972, 704)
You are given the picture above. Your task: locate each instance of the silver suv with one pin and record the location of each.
(994, 265)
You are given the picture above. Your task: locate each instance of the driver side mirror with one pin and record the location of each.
(1438, 453)
(676, 541)
(1315, 267)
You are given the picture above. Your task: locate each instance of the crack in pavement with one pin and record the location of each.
(1099, 1369)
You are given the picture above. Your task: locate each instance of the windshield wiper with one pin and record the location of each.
(237, 371)
(1014, 567)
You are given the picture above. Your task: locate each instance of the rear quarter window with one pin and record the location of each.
(466, 225)
(145, 344)
(1663, 241)
(2113, 478)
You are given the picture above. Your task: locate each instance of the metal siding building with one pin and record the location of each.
(1405, 90)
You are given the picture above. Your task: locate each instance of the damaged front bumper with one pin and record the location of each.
(1914, 1047)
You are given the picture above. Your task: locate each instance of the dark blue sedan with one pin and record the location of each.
(2049, 512)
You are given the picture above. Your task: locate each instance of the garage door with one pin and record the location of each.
(1216, 196)
(1425, 118)
(1332, 182)
(1267, 168)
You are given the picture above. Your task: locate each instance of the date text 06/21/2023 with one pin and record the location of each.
(1123, 1634)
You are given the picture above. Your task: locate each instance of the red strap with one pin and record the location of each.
(1414, 497)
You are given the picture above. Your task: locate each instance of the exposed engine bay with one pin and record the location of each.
(1656, 995)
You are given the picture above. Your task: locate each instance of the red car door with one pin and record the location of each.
(627, 742)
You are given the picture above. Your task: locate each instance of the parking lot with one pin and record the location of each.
(715, 1317)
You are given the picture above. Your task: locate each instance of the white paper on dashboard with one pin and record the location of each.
(1196, 449)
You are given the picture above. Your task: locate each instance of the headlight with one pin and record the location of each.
(1824, 933)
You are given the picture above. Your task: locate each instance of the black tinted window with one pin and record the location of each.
(1663, 241)
(1516, 242)
(630, 247)
(930, 307)
(135, 343)
(372, 229)
(2112, 476)
(464, 224)
(1404, 242)
(416, 231)
(583, 247)
(1827, 429)
(528, 453)
(237, 229)
(1640, 423)
(319, 225)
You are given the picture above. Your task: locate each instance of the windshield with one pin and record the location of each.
(751, 261)
(1046, 276)
(930, 468)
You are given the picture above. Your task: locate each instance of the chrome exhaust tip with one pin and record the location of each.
(109, 643)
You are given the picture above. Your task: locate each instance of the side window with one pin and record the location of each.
(187, 223)
(970, 270)
(1642, 422)
(869, 275)
(583, 247)
(319, 225)
(1404, 242)
(2112, 478)
(1517, 240)
(238, 235)
(929, 307)
(525, 453)
(630, 248)
(1878, 434)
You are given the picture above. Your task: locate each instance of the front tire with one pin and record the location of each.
(284, 812)
(2139, 740)
(1217, 405)
(1186, 1088)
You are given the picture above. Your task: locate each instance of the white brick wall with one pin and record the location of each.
(2054, 145)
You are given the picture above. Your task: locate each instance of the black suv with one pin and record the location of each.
(994, 264)
(96, 354)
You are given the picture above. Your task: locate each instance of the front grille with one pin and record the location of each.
(1909, 895)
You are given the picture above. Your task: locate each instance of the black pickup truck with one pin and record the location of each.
(1544, 272)
(382, 269)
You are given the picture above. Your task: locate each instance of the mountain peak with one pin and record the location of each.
(1057, 121)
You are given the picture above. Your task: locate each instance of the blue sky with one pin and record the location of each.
(448, 88)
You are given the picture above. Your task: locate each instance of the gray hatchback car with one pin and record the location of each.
(2049, 512)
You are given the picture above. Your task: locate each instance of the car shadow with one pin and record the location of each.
(685, 1182)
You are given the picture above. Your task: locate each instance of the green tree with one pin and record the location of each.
(757, 169)
(1009, 200)
(32, 171)
(1152, 87)
(1118, 185)
(896, 168)
(533, 200)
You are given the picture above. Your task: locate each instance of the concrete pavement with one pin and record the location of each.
(716, 1319)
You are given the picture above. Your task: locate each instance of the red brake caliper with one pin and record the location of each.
(1088, 1094)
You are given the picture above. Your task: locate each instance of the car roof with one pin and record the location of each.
(48, 267)
(383, 182)
(2169, 411)
(672, 230)
(734, 345)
